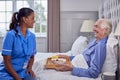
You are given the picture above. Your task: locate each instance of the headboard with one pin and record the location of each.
(110, 9)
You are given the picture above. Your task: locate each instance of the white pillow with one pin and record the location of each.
(110, 64)
(79, 45)
(79, 61)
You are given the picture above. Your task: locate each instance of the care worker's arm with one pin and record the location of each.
(9, 67)
(30, 64)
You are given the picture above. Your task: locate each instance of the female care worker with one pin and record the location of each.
(19, 48)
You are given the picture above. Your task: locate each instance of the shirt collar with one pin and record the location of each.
(103, 40)
(94, 42)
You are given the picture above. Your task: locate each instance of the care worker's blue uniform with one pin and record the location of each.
(20, 49)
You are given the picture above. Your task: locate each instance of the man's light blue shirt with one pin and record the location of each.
(20, 49)
(94, 55)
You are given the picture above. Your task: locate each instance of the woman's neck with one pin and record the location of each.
(23, 30)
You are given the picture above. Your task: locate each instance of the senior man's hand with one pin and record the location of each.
(64, 67)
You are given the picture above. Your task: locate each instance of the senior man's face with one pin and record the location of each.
(99, 32)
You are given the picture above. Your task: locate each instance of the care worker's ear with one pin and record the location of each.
(25, 20)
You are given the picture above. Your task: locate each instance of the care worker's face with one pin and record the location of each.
(30, 20)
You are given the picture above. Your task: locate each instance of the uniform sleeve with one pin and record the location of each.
(96, 63)
(7, 44)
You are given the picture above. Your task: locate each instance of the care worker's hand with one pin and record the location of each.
(30, 71)
(17, 78)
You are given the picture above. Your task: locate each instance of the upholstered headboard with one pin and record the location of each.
(110, 9)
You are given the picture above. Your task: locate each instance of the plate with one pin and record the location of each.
(59, 60)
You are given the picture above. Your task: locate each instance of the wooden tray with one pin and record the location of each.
(51, 65)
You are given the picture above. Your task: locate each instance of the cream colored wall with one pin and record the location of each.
(79, 5)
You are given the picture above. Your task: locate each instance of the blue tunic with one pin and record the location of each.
(20, 49)
(95, 56)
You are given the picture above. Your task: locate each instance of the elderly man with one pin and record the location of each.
(94, 54)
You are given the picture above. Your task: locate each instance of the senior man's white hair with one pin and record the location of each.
(105, 23)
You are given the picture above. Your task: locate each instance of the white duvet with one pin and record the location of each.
(49, 74)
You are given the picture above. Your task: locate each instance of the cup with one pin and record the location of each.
(108, 76)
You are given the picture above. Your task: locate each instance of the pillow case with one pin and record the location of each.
(110, 64)
(79, 45)
(79, 61)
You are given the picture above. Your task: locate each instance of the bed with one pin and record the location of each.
(110, 64)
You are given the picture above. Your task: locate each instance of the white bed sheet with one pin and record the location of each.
(57, 75)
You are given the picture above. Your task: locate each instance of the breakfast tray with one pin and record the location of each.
(51, 65)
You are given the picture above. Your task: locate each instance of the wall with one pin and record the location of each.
(80, 5)
(73, 13)
(41, 44)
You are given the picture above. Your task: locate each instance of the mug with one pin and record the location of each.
(108, 76)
